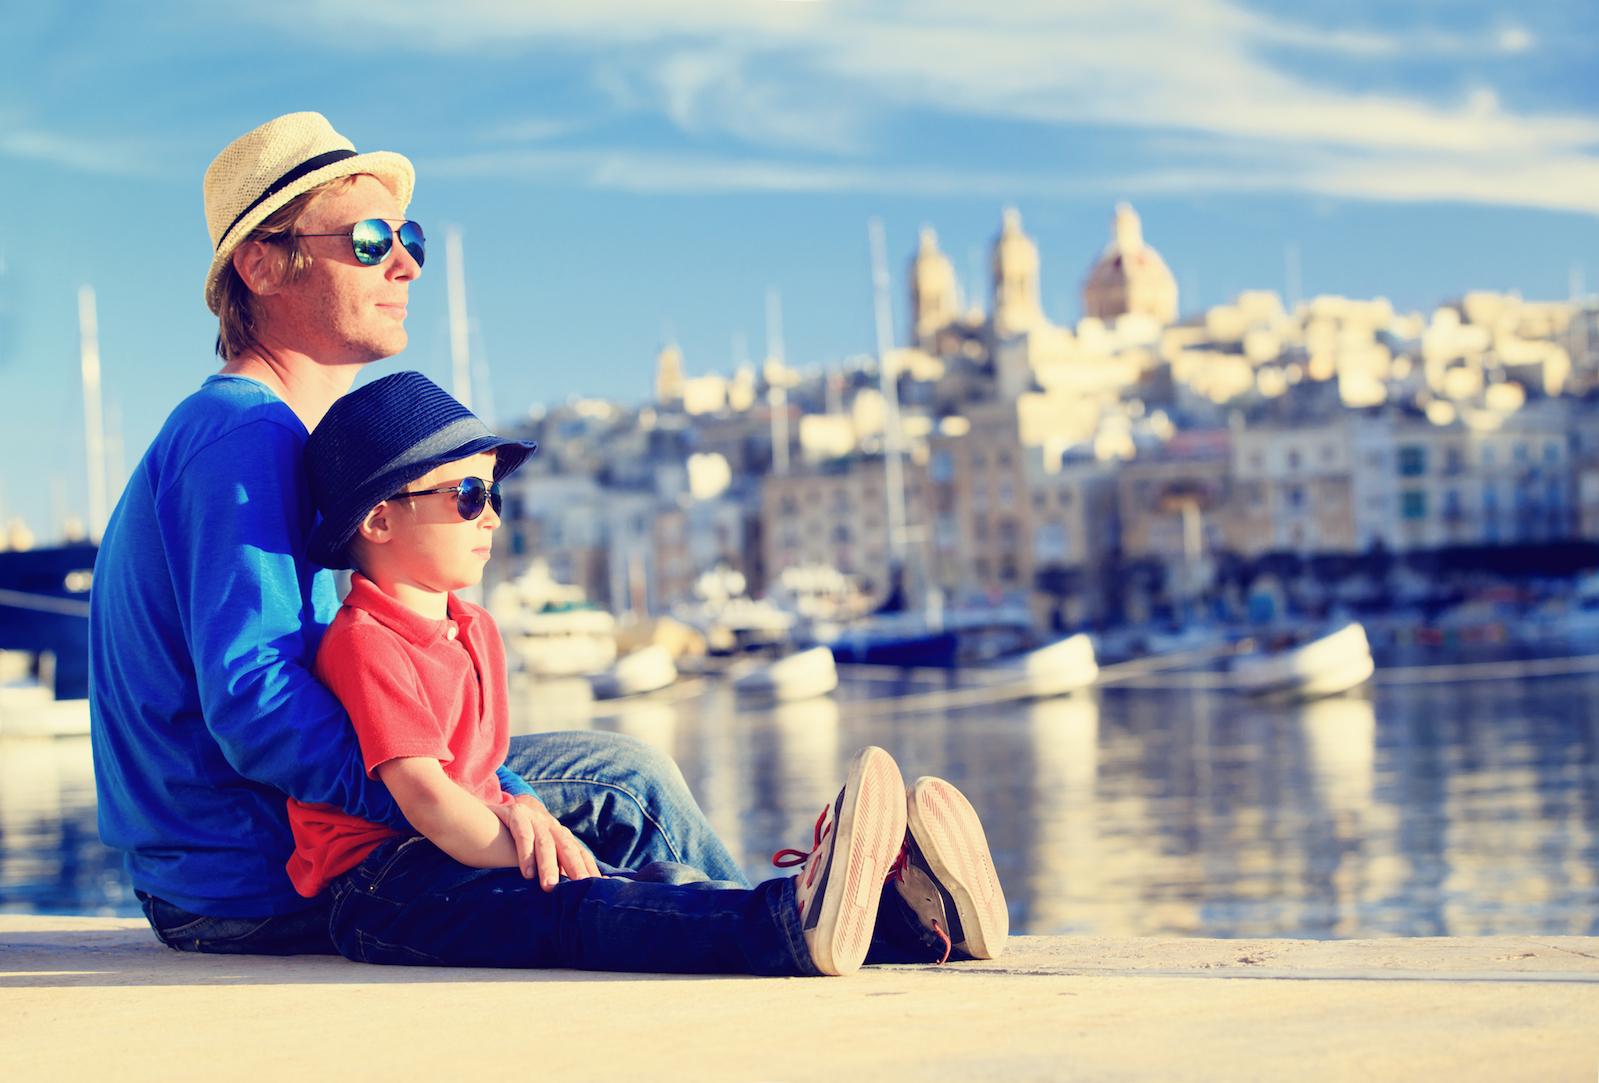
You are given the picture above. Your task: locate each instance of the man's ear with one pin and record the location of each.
(374, 527)
(261, 267)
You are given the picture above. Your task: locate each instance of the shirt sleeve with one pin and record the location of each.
(513, 783)
(368, 669)
(234, 523)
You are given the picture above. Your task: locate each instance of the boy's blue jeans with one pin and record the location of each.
(409, 903)
(627, 801)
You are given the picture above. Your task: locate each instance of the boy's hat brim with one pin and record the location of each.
(330, 539)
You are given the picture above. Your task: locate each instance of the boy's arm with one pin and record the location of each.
(452, 819)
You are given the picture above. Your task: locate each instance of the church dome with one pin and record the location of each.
(1129, 276)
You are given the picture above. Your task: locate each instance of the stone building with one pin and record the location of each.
(1129, 277)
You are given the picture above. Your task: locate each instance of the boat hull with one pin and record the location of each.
(1329, 666)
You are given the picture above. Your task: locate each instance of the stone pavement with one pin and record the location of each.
(99, 997)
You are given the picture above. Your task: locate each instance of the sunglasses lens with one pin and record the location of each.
(470, 498)
(415, 242)
(496, 501)
(371, 239)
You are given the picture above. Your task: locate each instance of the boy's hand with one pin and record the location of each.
(544, 846)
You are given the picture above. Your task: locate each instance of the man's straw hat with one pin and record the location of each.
(262, 170)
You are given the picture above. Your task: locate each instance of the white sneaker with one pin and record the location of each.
(857, 839)
(946, 875)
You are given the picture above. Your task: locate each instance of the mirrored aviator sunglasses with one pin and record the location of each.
(471, 494)
(372, 239)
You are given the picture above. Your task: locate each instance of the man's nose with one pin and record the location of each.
(403, 266)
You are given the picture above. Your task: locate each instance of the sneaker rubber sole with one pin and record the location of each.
(949, 834)
(869, 822)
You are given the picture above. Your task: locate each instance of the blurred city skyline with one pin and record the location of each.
(622, 174)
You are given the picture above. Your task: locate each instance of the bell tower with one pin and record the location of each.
(932, 282)
(1016, 306)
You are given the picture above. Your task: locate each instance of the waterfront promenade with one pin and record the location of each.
(80, 996)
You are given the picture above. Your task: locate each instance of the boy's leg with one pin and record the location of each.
(410, 903)
(627, 801)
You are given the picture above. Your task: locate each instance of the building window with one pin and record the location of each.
(1521, 452)
(941, 467)
(1296, 496)
(1412, 461)
(1413, 504)
(1293, 461)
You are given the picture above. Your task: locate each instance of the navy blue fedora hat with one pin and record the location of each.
(377, 440)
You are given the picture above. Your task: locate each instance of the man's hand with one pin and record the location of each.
(544, 847)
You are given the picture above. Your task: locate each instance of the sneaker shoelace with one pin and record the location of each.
(788, 858)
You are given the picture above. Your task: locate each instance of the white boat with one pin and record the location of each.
(1057, 669)
(648, 669)
(1327, 666)
(804, 675)
(730, 620)
(30, 710)
(550, 629)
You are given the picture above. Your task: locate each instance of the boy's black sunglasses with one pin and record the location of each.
(471, 494)
(372, 239)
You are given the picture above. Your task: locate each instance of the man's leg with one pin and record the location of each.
(625, 800)
(304, 932)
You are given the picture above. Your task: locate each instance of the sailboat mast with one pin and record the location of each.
(894, 480)
(776, 393)
(93, 424)
(455, 282)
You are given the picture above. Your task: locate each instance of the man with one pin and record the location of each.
(206, 612)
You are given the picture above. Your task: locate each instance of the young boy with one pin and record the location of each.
(407, 484)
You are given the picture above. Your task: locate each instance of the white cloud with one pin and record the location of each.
(799, 80)
(89, 155)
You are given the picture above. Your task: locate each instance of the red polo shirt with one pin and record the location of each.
(413, 687)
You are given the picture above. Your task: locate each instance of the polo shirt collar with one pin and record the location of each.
(400, 618)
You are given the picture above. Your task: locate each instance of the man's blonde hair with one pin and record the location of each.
(237, 328)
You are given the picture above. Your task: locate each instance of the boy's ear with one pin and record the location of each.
(374, 527)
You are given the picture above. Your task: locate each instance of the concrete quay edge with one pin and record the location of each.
(82, 994)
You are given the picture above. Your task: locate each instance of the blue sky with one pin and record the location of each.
(623, 169)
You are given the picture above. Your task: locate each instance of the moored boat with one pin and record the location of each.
(804, 675)
(1325, 666)
(648, 669)
(1056, 669)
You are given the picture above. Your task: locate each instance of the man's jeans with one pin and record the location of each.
(411, 904)
(626, 801)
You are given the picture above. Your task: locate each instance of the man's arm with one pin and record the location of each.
(513, 783)
(452, 819)
(234, 522)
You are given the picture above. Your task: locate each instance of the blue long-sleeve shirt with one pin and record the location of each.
(204, 620)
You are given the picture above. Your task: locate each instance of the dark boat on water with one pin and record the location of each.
(44, 612)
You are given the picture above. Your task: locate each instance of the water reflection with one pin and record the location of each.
(1430, 810)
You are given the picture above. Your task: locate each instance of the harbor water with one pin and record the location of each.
(1407, 810)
